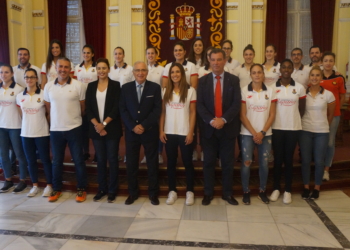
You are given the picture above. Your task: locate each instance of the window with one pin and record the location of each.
(75, 36)
(299, 32)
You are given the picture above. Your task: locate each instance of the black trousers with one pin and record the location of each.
(219, 142)
(283, 143)
(133, 144)
(171, 148)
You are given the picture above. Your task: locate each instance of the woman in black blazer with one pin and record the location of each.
(102, 109)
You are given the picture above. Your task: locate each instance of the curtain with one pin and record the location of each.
(94, 15)
(58, 20)
(322, 20)
(4, 37)
(276, 26)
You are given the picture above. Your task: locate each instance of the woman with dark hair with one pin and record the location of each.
(271, 66)
(231, 63)
(319, 111)
(291, 98)
(10, 129)
(197, 55)
(86, 73)
(243, 71)
(48, 70)
(35, 131)
(102, 110)
(177, 123)
(121, 71)
(334, 83)
(258, 111)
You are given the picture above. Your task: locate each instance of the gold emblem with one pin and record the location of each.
(294, 92)
(185, 23)
(93, 70)
(274, 70)
(12, 94)
(38, 101)
(334, 83)
(266, 97)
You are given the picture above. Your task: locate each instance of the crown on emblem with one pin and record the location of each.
(185, 10)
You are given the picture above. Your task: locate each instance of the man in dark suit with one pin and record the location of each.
(140, 108)
(218, 105)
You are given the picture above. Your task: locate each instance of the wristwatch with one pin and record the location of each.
(263, 132)
(104, 124)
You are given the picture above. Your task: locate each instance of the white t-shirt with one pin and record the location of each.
(101, 101)
(301, 75)
(65, 104)
(9, 116)
(122, 75)
(231, 64)
(190, 70)
(34, 123)
(85, 76)
(19, 74)
(287, 106)
(177, 117)
(273, 74)
(258, 107)
(315, 117)
(243, 74)
(155, 73)
(52, 75)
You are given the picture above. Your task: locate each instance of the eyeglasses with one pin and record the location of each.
(298, 54)
(140, 70)
(30, 77)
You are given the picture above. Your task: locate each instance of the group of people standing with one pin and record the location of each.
(270, 106)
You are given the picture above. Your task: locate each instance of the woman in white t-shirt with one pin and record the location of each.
(121, 71)
(319, 112)
(48, 70)
(197, 55)
(231, 63)
(291, 98)
(190, 68)
(35, 131)
(258, 111)
(176, 127)
(10, 130)
(243, 71)
(86, 72)
(271, 66)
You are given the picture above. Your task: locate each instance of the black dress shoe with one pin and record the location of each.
(130, 200)
(230, 200)
(206, 200)
(154, 200)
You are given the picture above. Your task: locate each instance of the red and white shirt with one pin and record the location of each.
(34, 123)
(85, 75)
(258, 107)
(190, 70)
(177, 116)
(9, 115)
(287, 106)
(52, 74)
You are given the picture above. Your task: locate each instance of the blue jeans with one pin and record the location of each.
(247, 155)
(107, 150)
(43, 145)
(59, 140)
(316, 144)
(12, 136)
(331, 142)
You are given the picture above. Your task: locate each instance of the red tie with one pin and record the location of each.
(218, 100)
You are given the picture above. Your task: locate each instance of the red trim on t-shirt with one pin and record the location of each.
(43, 73)
(165, 77)
(303, 97)
(195, 74)
(243, 101)
(274, 100)
(193, 101)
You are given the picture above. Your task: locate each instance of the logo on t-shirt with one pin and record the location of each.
(30, 111)
(249, 96)
(38, 101)
(274, 70)
(278, 90)
(266, 97)
(286, 102)
(294, 92)
(93, 70)
(177, 105)
(334, 83)
(258, 108)
(12, 94)
(23, 100)
(5, 103)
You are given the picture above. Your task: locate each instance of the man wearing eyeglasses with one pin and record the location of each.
(301, 72)
(140, 108)
(23, 56)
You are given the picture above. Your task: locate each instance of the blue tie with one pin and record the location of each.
(139, 92)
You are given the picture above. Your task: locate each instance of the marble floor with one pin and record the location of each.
(34, 223)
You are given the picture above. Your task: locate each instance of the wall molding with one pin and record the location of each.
(232, 6)
(257, 21)
(257, 5)
(137, 8)
(16, 6)
(344, 4)
(39, 27)
(113, 9)
(16, 22)
(232, 21)
(113, 24)
(137, 23)
(38, 13)
(344, 19)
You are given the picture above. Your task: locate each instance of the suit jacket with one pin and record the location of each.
(231, 104)
(146, 113)
(114, 128)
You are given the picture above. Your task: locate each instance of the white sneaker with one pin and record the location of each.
(202, 156)
(189, 198)
(194, 156)
(47, 191)
(33, 191)
(274, 196)
(143, 160)
(172, 197)
(325, 176)
(287, 198)
(160, 159)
